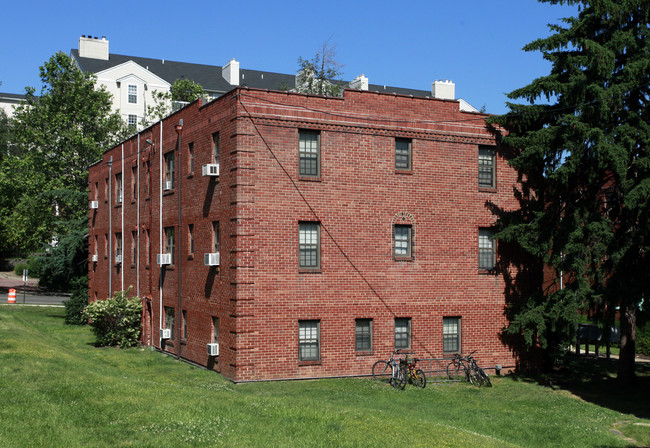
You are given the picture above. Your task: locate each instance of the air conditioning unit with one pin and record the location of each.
(118, 259)
(164, 259)
(94, 205)
(212, 259)
(213, 349)
(165, 333)
(211, 169)
(168, 185)
(94, 258)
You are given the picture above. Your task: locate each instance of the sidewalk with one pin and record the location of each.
(9, 280)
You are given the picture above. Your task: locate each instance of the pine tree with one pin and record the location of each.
(580, 142)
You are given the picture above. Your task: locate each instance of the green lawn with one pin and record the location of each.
(57, 389)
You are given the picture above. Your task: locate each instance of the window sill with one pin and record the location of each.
(168, 192)
(487, 189)
(486, 271)
(132, 266)
(364, 353)
(190, 175)
(401, 259)
(310, 179)
(403, 171)
(132, 201)
(309, 363)
(118, 205)
(310, 271)
(190, 257)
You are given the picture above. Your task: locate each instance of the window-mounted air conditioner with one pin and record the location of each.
(211, 169)
(168, 185)
(212, 259)
(118, 259)
(165, 333)
(94, 258)
(164, 259)
(94, 205)
(213, 349)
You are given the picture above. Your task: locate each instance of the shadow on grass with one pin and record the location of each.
(594, 380)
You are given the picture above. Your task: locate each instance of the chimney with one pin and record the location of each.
(359, 83)
(93, 47)
(443, 90)
(230, 72)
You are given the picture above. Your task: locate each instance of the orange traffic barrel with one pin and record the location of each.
(12, 296)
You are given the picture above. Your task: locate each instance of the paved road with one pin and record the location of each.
(38, 299)
(33, 294)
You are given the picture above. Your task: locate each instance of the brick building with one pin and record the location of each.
(314, 236)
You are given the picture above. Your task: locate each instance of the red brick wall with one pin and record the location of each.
(258, 292)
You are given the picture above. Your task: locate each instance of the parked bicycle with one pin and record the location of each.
(467, 367)
(390, 372)
(415, 376)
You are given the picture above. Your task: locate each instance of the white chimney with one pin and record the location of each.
(443, 90)
(230, 72)
(359, 83)
(93, 47)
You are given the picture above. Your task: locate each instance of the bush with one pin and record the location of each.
(643, 339)
(78, 301)
(116, 321)
(18, 269)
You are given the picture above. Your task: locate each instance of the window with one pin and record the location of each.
(184, 327)
(106, 188)
(118, 188)
(147, 245)
(402, 153)
(363, 335)
(133, 94)
(134, 182)
(169, 242)
(95, 196)
(486, 250)
(118, 246)
(309, 153)
(190, 239)
(309, 340)
(402, 333)
(105, 245)
(485, 167)
(309, 242)
(215, 330)
(169, 170)
(147, 169)
(215, 237)
(169, 320)
(96, 247)
(132, 121)
(134, 246)
(190, 158)
(215, 147)
(402, 240)
(451, 334)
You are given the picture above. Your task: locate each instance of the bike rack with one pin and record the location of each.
(436, 370)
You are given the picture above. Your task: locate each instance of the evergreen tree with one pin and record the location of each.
(584, 163)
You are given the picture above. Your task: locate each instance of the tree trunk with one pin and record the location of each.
(626, 374)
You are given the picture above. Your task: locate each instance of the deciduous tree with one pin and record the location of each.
(318, 76)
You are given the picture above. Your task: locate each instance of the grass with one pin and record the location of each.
(57, 389)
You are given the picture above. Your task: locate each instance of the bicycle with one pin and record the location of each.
(470, 369)
(415, 376)
(390, 372)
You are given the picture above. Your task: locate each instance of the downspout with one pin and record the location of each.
(179, 251)
(122, 228)
(137, 223)
(160, 227)
(110, 227)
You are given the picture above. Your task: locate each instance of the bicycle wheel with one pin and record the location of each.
(474, 377)
(401, 378)
(453, 370)
(382, 371)
(420, 379)
(486, 378)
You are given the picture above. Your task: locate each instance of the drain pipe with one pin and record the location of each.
(110, 227)
(179, 250)
(160, 230)
(122, 225)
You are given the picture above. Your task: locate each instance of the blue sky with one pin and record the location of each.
(475, 43)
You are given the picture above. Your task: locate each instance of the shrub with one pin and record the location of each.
(116, 321)
(75, 305)
(18, 269)
(642, 342)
